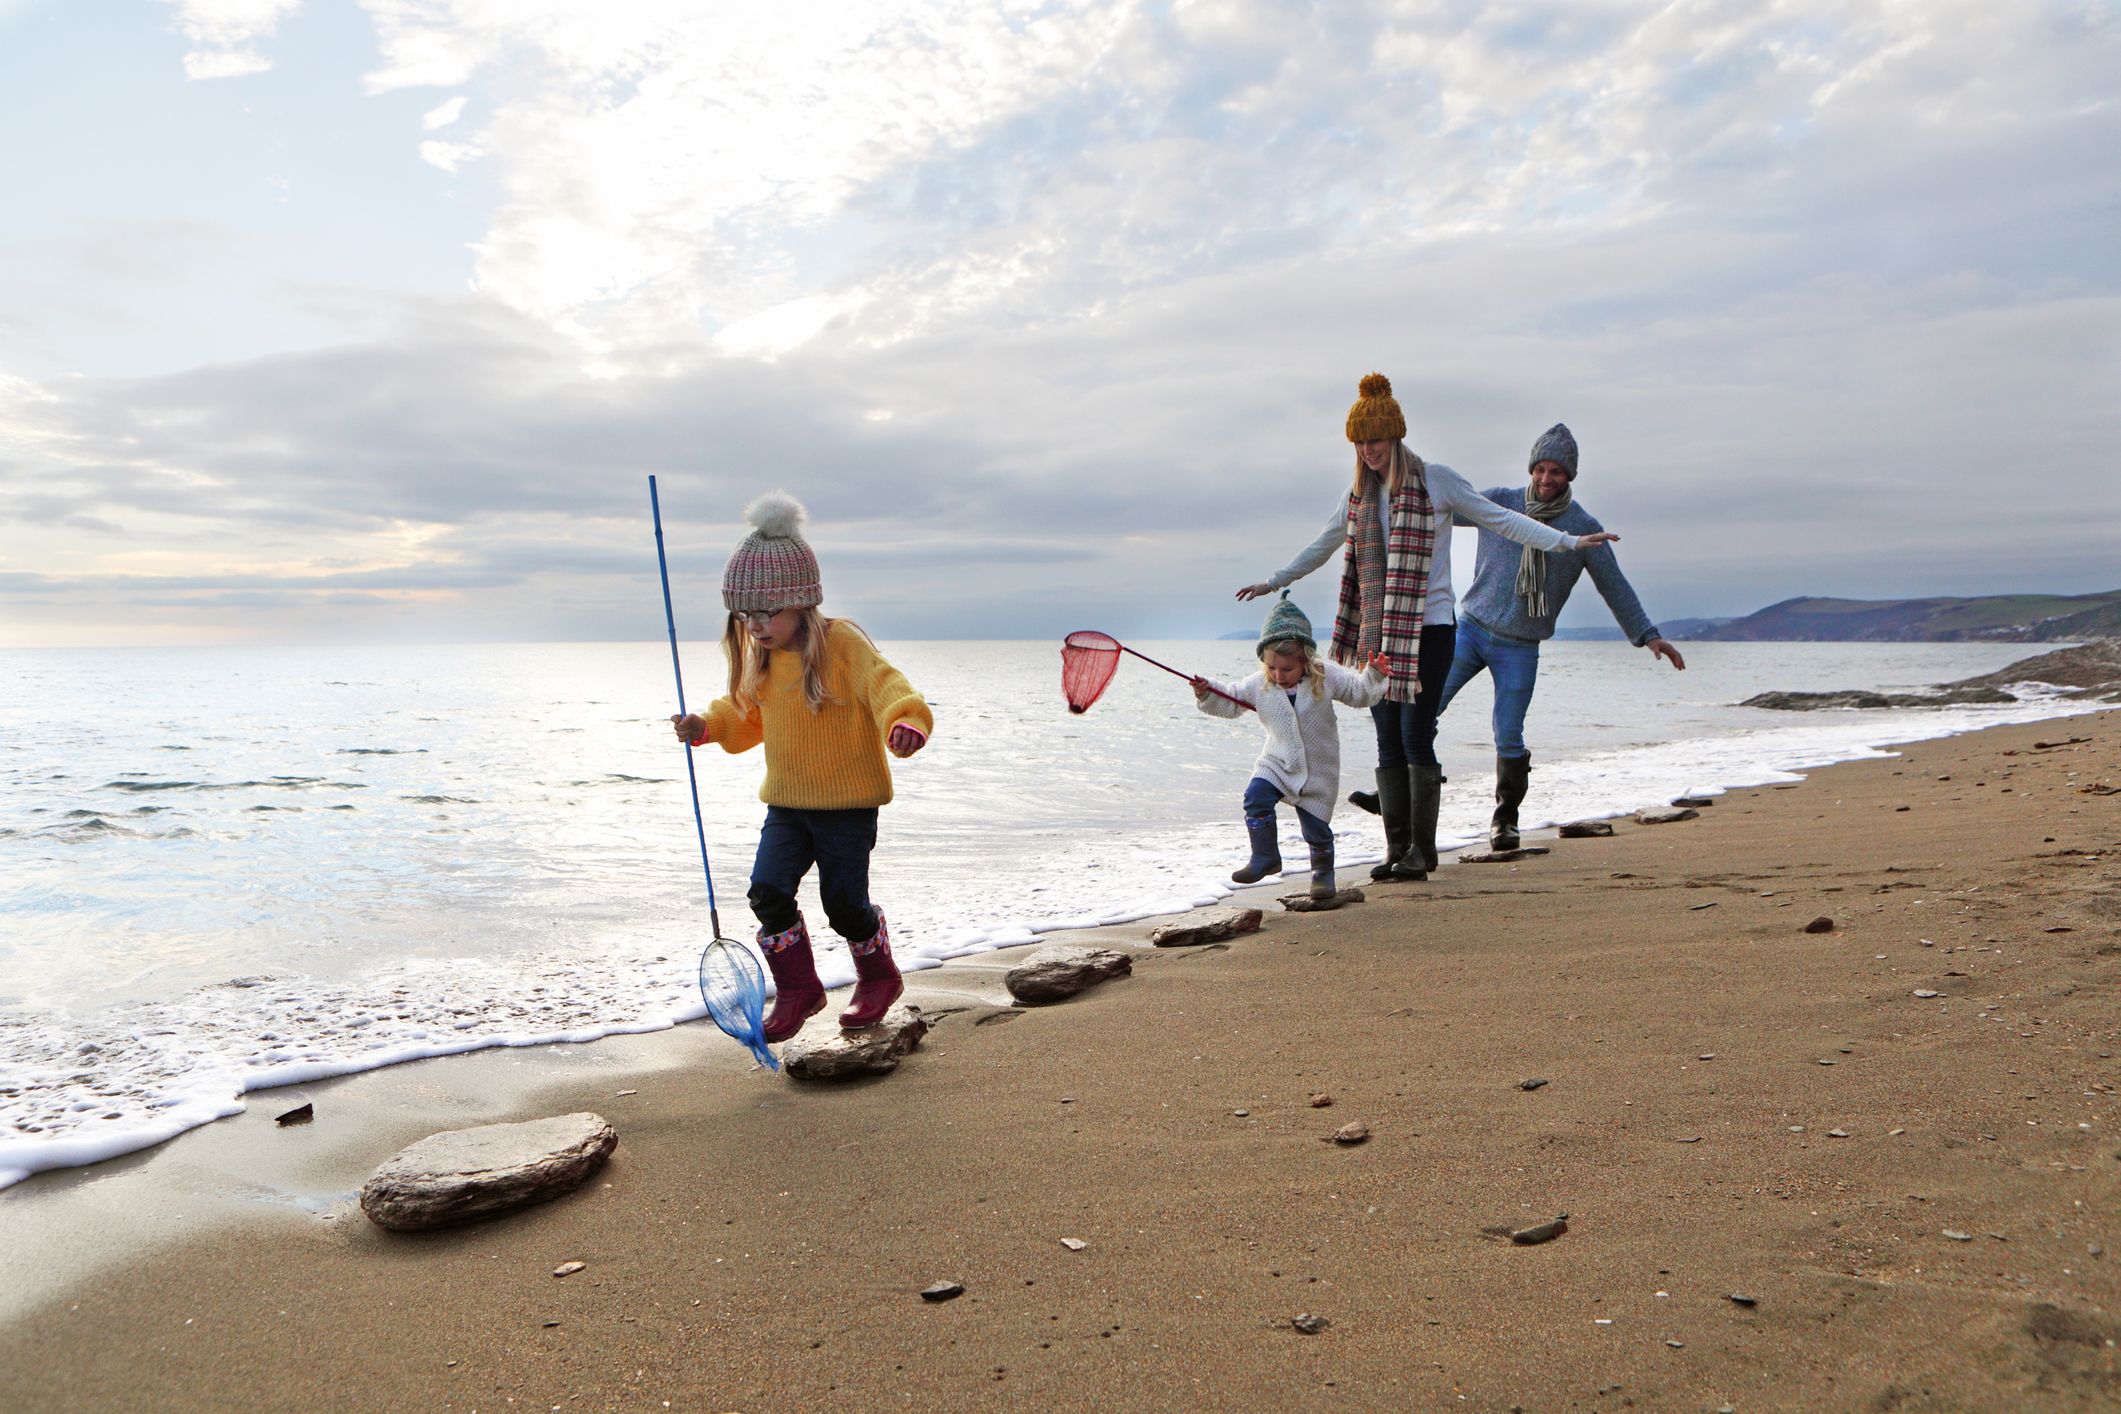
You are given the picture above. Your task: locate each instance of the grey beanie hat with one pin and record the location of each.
(1285, 622)
(774, 567)
(1556, 444)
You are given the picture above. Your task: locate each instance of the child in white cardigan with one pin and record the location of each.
(1294, 692)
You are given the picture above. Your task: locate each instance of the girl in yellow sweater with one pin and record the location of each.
(827, 706)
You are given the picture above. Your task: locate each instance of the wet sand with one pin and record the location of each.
(1733, 1106)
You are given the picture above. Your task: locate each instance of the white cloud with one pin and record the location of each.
(223, 31)
(444, 115)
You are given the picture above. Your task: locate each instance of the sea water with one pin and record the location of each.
(228, 869)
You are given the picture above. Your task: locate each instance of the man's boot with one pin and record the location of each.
(1512, 777)
(1428, 782)
(1322, 885)
(1266, 852)
(797, 994)
(1394, 803)
(1364, 800)
(877, 983)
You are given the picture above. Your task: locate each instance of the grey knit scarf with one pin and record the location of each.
(1532, 564)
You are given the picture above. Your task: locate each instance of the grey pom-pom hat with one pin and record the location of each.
(1285, 622)
(774, 568)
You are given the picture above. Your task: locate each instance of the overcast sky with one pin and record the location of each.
(328, 320)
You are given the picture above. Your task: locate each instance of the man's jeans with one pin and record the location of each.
(838, 842)
(1514, 668)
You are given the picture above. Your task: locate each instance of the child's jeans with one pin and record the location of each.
(1513, 666)
(1262, 795)
(838, 842)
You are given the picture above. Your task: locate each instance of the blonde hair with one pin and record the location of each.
(1314, 666)
(747, 661)
(1403, 464)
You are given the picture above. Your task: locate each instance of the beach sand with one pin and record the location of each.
(1733, 1106)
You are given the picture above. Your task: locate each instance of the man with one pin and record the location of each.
(1509, 611)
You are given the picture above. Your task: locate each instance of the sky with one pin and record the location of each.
(366, 320)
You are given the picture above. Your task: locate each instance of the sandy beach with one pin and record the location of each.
(1918, 1197)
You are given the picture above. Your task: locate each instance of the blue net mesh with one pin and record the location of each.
(734, 987)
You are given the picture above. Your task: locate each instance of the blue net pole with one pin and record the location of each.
(662, 564)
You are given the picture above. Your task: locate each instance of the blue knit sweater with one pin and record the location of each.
(1494, 603)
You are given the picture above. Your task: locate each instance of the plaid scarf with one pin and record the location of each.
(1384, 581)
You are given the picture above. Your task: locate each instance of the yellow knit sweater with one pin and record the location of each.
(831, 759)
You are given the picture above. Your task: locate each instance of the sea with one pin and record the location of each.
(228, 869)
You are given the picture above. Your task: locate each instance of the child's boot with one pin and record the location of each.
(797, 994)
(1266, 851)
(1322, 885)
(877, 983)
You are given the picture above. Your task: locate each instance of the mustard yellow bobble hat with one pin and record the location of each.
(1375, 415)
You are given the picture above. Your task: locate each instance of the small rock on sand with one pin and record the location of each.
(844, 1055)
(1321, 1100)
(1926, 993)
(462, 1174)
(300, 1114)
(1540, 1232)
(568, 1269)
(1212, 926)
(943, 1291)
(1501, 856)
(1532, 1084)
(1054, 974)
(1821, 924)
(1308, 1324)
(1670, 816)
(1693, 802)
(1586, 830)
(1304, 903)
(1074, 1244)
(1353, 1132)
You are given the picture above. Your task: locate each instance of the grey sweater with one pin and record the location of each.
(1494, 603)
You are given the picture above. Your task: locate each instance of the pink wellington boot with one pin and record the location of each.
(797, 994)
(878, 984)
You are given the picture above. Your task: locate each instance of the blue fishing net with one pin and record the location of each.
(734, 987)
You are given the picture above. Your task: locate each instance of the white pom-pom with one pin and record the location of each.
(776, 515)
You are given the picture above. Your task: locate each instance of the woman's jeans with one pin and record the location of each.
(1514, 668)
(838, 842)
(1406, 731)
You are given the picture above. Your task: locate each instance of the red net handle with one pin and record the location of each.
(1090, 658)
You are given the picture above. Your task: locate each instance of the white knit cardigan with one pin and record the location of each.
(1302, 758)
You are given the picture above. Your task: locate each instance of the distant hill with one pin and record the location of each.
(1997, 618)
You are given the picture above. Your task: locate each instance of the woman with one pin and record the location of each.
(1395, 599)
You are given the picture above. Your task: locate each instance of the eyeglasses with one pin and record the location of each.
(754, 616)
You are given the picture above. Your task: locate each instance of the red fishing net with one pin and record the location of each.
(1088, 661)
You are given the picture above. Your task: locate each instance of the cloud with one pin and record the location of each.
(223, 30)
(1052, 313)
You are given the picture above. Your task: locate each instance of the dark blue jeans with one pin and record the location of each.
(838, 842)
(1406, 731)
(1262, 795)
(1514, 667)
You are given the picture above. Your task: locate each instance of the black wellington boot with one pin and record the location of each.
(1394, 801)
(1428, 783)
(1512, 777)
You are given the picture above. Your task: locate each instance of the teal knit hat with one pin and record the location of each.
(1285, 622)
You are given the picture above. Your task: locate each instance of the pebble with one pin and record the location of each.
(1532, 1084)
(568, 1269)
(1837, 1134)
(1308, 1324)
(1955, 1235)
(1353, 1132)
(1540, 1232)
(943, 1291)
(1321, 1100)
(1740, 1299)
(1706, 1055)
(1240, 1114)
(1074, 1244)
(1676, 1344)
(300, 1114)
(1926, 992)
(1821, 924)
